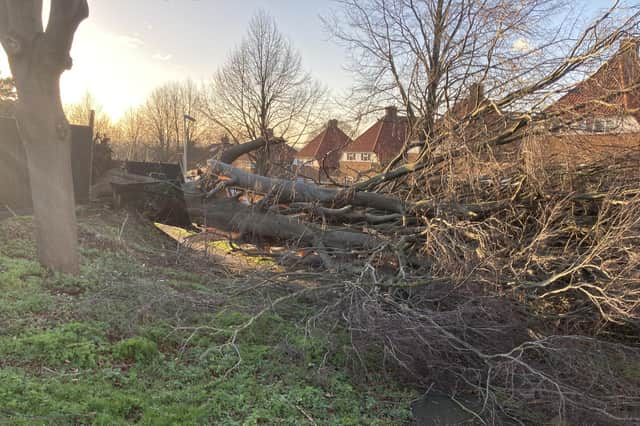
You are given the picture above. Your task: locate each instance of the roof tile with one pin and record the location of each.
(385, 138)
(327, 146)
(612, 89)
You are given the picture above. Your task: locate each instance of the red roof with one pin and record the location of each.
(326, 147)
(385, 138)
(613, 89)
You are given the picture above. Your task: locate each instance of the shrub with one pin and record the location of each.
(136, 349)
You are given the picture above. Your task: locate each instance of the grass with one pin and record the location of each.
(138, 339)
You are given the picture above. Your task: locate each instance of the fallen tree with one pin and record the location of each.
(510, 283)
(287, 191)
(501, 301)
(250, 224)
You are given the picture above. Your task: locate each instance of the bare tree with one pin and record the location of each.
(133, 135)
(424, 54)
(165, 110)
(7, 89)
(263, 86)
(79, 113)
(448, 62)
(8, 96)
(37, 58)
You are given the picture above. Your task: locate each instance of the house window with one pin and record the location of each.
(584, 125)
(599, 126)
(351, 156)
(365, 156)
(605, 125)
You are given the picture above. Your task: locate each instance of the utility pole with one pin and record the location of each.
(92, 123)
(185, 118)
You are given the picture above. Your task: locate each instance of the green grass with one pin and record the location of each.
(126, 343)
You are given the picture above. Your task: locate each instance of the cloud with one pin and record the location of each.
(161, 57)
(130, 42)
(521, 45)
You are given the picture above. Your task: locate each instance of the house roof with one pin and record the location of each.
(385, 138)
(326, 146)
(612, 89)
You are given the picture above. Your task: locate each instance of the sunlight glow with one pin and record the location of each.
(117, 69)
(120, 70)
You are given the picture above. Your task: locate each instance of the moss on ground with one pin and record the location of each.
(136, 340)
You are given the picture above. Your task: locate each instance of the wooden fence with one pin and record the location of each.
(15, 191)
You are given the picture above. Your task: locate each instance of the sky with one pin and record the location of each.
(127, 47)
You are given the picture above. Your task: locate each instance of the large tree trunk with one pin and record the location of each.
(292, 191)
(235, 151)
(251, 224)
(37, 59)
(48, 147)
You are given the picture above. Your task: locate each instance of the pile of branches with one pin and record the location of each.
(516, 291)
(529, 306)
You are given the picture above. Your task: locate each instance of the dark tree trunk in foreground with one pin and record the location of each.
(38, 58)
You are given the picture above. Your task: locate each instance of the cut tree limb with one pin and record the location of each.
(247, 223)
(293, 191)
(344, 214)
(235, 151)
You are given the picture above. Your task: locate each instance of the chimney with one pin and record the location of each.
(391, 113)
(332, 123)
(630, 43)
(630, 60)
(476, 95)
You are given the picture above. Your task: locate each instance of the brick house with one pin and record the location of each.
(600, 116)
(609, 100)
(321, 156)
(376, 147)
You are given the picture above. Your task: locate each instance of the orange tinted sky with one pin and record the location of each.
(126, 48)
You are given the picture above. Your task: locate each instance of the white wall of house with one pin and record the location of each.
(306, 161)
(363, 157)
(604, 125)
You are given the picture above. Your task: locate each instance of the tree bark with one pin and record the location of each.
(291, 191)
(250, 224)
(37, 59)
(235, 151)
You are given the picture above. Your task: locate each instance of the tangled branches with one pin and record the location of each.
(530, 306)
(515, 286)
